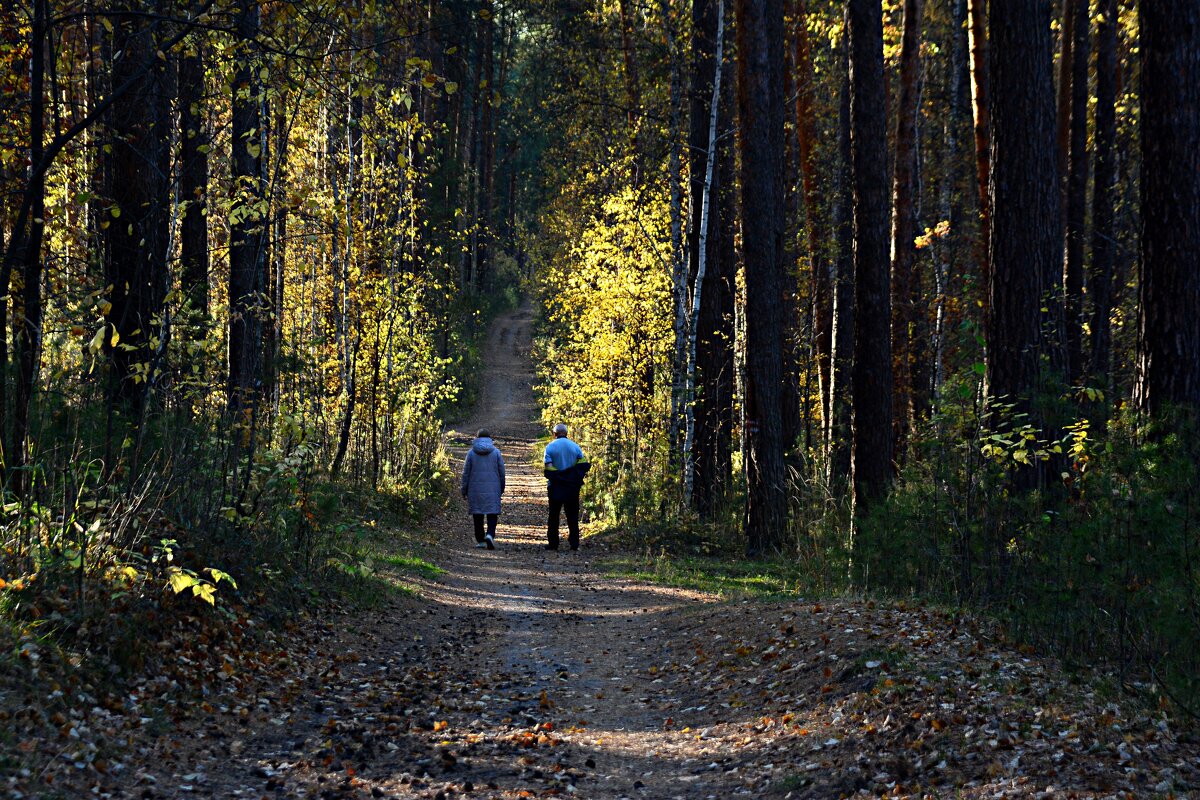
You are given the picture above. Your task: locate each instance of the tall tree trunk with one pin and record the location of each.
(980, 104)
(797, 333)
(27, 313)
(138, 234)
(760, 108)
(679, 256)
(715, 364)
(279, 252)
(1026, 254)
(1075, 191)
(347, 421)
(1168, 357)
(904, 252)
(468, 164)
(1103, 227)
(814, 220)
(487, 145)
(633, 89)
(950, 192)
(712, 154)
(842, 357)
(1062, 125)
(350, 327)
(247, 224)
(872, 372)
(193, 180)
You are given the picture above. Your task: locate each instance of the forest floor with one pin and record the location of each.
(525, 673)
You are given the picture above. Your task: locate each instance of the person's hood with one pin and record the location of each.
(483, 445)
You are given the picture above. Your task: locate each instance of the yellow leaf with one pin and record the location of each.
(205, 592)
(181, 580)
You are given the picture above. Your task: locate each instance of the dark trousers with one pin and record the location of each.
(571, 506)
(491, 525)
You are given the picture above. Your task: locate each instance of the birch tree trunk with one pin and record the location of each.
(710, 160)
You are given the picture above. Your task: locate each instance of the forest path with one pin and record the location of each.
(526, 673)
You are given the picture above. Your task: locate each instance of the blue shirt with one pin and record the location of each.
(563, 453)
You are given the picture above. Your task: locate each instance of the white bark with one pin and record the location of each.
(689, 468)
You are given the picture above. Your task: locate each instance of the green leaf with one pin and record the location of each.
(219, 576)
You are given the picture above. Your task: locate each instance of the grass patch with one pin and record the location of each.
(360, 584)
(413, 565)
(765, 580)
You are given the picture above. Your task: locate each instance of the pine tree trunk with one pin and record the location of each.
(1103, 227)
(818, 250)
(1075, 192)
(245, 230)
(842, 334)
(1026, 248)
(904, 253)
(1168, 357)
(951, 199)
(1062, 125)
(980, 103)
(26, 251)
(872, 371)
(140, 181)
(193, 181)
(760, 107)
(487, 146)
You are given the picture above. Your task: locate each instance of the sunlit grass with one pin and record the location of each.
(724, 578)
(413, 565)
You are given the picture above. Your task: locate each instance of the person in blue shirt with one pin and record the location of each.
(564, 467)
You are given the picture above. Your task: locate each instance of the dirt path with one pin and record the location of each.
(527, 673)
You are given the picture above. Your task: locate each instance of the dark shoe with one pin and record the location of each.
(550, 546)
(490, 542)
(574, 548)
